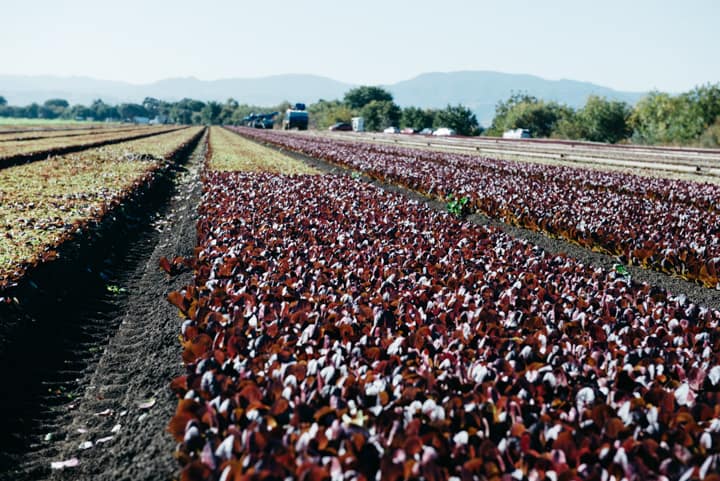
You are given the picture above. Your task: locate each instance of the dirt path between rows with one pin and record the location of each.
(675, 285)
(116, 425)
(140, 361)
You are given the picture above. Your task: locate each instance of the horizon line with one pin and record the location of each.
(377, 84)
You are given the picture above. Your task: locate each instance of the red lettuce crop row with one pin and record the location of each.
(669, 225)
(338, 331)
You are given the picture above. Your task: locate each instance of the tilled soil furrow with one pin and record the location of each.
(126, 405)
(91, 410)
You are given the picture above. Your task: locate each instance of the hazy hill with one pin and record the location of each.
(258, 91)
(22, 90)
(479, 90)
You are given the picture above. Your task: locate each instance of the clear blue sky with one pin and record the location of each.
(625, 44)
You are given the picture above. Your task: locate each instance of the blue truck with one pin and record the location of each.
(260, 121)
(296, 117)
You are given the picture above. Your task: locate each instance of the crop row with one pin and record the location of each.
(47, 134)
(335, 330)
(47, 202)
(46, 146)
(51, 126)
(669, 225)
(228, 151)
(564, 151)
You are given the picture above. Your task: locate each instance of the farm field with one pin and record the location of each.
(13, 152)
(302, 321)
(86, 223)
(228, 151)
(8, 124)
(690, 162)
(668, 225)
(373, 241)
(367, 333)
(45, 202)
(46, 134)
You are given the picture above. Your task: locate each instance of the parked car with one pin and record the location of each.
(407, 130)
(444, 131)
(516, 134)
(341, 127)
(392, 130)
(426, 131)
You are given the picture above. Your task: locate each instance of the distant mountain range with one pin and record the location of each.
(478, 90)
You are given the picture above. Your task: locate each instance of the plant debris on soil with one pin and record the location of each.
(113, 420)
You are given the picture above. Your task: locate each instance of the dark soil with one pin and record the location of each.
(108, 343)
(675, 285)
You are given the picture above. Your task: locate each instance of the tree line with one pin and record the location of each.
(185, 111)
(690, 118)
(373, 103)
(379, 110)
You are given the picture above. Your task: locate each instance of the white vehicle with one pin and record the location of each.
(358, 124)
(444, 132)
(516, 134)
(392, 130)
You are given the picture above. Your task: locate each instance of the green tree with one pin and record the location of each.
(324, 113)
(46, 113)
(459, 118)
(652, 117)
(704, 102)
(153, 106)
(10, 111)
(691, 114)
(380, 114)
(31, 111)
(417, 118)
(57, 104)
(339, 113)
(182, 112)
(111, 112)
(710, 138)
(210, 114)
(53, 108)
(359, 97)
(522, 111)
(101, 111)
(180, 115)
(129, 111)
(227, 111)
(569, 127)
(603, 120)
(3, 101)
(659, 118)
(503, 109)
(79, 111)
